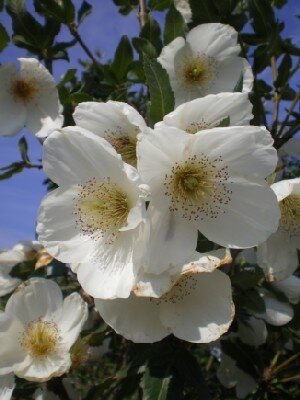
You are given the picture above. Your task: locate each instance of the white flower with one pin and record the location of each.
(231, 376)
(117, 122)
(38, 329)
(196, 307)
(183, 6)
(95, 215)
(28, 98)
(277, 312)
(290, 287)
(206, 62)
(209, 112)
(7, 384)
(22, 251)
(278, 255)
(212, 181)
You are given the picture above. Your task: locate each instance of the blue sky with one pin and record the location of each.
(22, 194)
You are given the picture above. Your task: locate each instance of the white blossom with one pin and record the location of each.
(94, 218)
(196, 306)
(209, 112)
(38, 329)
(22, 251)
(117, 122)
(230, 375)
(28, 97)
(278, 255)
(206, 62)
(183, 6)
(212, 181)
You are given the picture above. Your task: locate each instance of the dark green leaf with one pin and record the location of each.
(11, 169)
(204, 11)
(155, 388)
(151, 31)
(161, 94)
(250, 299)
(159, 5)
(225, 122)
(79, 97)
(4, 37)
(1, 5)
(174, 25)
(123, 58)
(203, 244)
(84, 10)
(68, 76)
(239, 85)
(126, 6)
(290, 48)
(23, 147)
(136, 72)
(143, 46)
(225, 7)
(284, 71)
(243, 355)
(63, 12)
(247, 277)
(263, 16)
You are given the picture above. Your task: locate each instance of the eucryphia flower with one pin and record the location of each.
(95, 215)
(230, 375)
(117, 122)
(212, 181)
(196, 306)
(278, 255)
(290, 287)
(209, 112)
(38, 329)
(28, 98)
(22, 251)
(206, 62)
(7, 384)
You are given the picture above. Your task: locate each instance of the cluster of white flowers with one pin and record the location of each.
(131, 201)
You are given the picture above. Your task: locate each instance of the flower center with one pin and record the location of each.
(197, 187)
(40, 338)
(126, 147)
(101, 209)
(199, 70)
(195, 127)
(290, 214)
(23, 89)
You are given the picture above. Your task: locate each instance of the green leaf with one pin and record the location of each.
(161, 94)
(23, 147)
(243, 355)
(224, 122)
(11, 169)
(251, 300)
(155, 388)
(126, 6)
(159, 5)
(239, 85)
(1, 5)
(225, 7)
(151, 31)
(263, 16)
(79, 97)
(68, 76)
(174, 25)
(84, 10)
(4, 37)
(247, 277)
(284, 71)
(64, 11)
(143, 46)
(288, 47)
(26, 26)
(203, 11)
(123, 58)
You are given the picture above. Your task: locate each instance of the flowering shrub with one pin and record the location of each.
(166, 259)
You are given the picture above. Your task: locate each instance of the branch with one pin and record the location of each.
(142, 14)
(73, 30)
(290, 110)
(276, 98)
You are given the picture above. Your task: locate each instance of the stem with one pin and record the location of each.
(292, 378)
(73, 30)
(290, 110)
(276, 98)
(285, 363)
(49, 64)
(142, 14)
